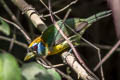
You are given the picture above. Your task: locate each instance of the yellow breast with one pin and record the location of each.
(58, 48)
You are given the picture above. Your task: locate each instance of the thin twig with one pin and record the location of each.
(115, 7)
(44, 62)
(44, 4)
(63, 74)
(3, 51)
(69, 42)
(82, 64)
(13, 40)
(52, 66)
(78, 55)
(15, 25)
(99, 56)
(15, 19)
(53, 4)
(104, 47)
(49, 66)
(107, 56)
(16, 42)
(73, 2)
(68, 12)
(64, 36)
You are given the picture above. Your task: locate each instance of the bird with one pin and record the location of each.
(50, 42)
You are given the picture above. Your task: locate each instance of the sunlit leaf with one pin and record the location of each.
(54, 74)
(9, 69)
(4, 27)
(34, 71)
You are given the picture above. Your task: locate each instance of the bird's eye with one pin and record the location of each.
(35, 47)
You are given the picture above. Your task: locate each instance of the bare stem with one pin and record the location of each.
(107, 56)
(64, 8)
(69, 42)
(16, 42)
(15, 19)
(31, 13)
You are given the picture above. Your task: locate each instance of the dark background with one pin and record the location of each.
(101, 32)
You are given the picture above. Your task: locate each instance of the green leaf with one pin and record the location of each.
(34, 71)
(4, 27)
(54, 74)
(9, 69)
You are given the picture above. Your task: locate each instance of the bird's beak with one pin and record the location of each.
(29, 56)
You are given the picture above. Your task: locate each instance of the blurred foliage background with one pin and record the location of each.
(101, 32)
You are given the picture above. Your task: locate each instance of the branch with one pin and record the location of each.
(48, 65)
(104, 47)
(72, 62)
(108, 55)
(12, 40)
(15, 19)
(69, 42)
(31, 13)
(16, 42)
(15, 25)
(73, 2)
(115, 6)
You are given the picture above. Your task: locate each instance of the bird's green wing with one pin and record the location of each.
(51, 34)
